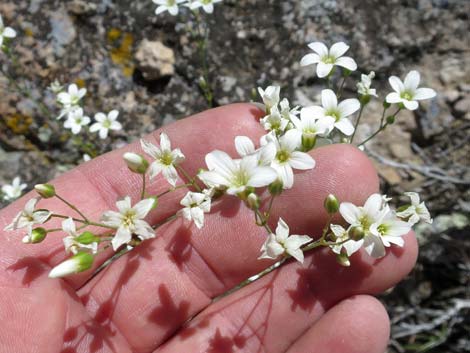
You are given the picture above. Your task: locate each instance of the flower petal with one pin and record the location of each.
(323, 69)
(310, 59)
(424, 93)
(350, 212)
(142, 208)
(393, 97)
(396, 84)
(412, 81)
(262, 176)
(338, 49)
(244, 146)
(328, 99)
(348, 107)
(301, 160)
(345, 126)
(410, 105)
(319, 48)
(347, 63)
(123, 236)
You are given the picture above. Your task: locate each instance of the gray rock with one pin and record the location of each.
(155, 60)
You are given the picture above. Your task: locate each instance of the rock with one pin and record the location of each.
(155, 60)
(462, 107)
(79, 7)
(451, 72)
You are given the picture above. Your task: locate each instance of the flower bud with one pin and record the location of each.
(331, 204)
(136, 163)
(386, 105)
(252, 201)
(80, 262)
(45, 190)
(356, 233)
(87, 238)
(364, 99)
(343, 259)
(275, 188)
(308, 142)
(38, 235)
(390, 119)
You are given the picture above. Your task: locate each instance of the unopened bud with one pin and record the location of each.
(331, 204)
(356, 233)
(87, 238)
(390, 119)
(275, 188)
(252, 201)
(365, 99)
(343, 259)
(308, 141)
(38, 235)
(80, 262)
(136, 162)
(45, 190)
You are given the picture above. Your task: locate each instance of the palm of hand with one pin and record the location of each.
(160, 296)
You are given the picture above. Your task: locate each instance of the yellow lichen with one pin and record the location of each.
(121, 52)
(19, 124)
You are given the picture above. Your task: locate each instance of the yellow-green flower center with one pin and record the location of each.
(283, 156)
(166, 158)
(406, 95)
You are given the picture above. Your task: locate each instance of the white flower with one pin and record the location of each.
(207, 5)
(5, 32)
(76, 120)
(288, 158)
(196, 204)
(72, 97)
(167, 5)
(55, 87)
(310, 125)
(274, 121)
(408, 92)
(235, 175)
(129, 220)
(270, 96)
(70, 242)
(265, 154)
(326, 58)
(28, 217)
(339, 112)
(416, 211)
(342, 242)
(104, 123)
(281, 243)
(363, 87)
(364, 217)
(165, 158)
(389, 229)
(13, 191)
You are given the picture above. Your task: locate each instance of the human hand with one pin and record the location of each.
(159, 297)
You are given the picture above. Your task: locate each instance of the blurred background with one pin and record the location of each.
(148, 67)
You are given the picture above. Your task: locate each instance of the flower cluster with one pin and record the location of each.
(76, 119)
(172, 6)
(260, 172)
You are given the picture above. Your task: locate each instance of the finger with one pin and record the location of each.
(272, 312)
(355, 325)
(151, 293)
(95, 186)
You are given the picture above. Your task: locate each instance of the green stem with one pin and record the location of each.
(190, 180)
(144, 180)
(73, 207)
(340, 90)
(85, 222)
(173, 189)
(383, 126)
(169, 219)
(357, 123)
